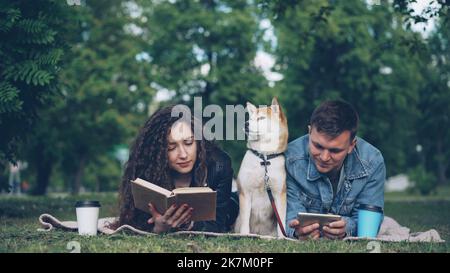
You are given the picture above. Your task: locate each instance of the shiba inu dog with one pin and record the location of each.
(267, 132)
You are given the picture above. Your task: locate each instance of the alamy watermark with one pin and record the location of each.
(374, 247)
(74, 247)
(230, 124)
(74, 2)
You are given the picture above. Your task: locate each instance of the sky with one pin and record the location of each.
(419, 7)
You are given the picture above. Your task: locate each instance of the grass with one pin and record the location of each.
(19, 223)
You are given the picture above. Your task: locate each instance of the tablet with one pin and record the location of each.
(307, 219)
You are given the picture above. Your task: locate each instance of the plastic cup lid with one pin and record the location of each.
(370, 208)
(86, 204)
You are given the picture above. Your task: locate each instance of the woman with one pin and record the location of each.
(166, 153)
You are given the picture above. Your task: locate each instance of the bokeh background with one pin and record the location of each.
(79, 78)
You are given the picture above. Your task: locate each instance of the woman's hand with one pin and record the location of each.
(174, 217)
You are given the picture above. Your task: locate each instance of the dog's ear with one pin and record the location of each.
(275, 101)
(251, 108)
(276, 107)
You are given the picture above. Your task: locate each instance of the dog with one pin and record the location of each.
(267, 133)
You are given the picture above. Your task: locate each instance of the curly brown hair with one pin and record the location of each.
(148, 160)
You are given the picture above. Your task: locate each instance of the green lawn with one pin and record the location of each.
(19, 221)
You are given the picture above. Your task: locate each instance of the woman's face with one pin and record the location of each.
(182, 148)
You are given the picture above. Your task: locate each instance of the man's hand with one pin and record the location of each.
(335, 230)
(305, 232)
(174, 217)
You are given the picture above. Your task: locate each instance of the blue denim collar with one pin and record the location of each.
(353, 168)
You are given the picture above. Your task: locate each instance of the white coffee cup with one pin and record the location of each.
(87, 217)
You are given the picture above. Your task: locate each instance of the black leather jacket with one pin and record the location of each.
(219, 178)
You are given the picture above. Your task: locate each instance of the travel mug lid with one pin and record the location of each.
(370, 208)
(87, 204)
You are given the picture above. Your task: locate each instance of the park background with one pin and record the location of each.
(79, 78)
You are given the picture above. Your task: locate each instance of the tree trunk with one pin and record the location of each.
(207, 93)
(209, 85)
(442, 177)
(78, 176)
(44, 166)
(4, 185)
(441, 164)
(44, 170)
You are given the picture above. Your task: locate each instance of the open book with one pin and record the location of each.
(202, 199)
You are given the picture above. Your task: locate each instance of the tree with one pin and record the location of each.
(105, 96)
(349, 50)
(206, 48)
(434, 123)
(32, 46)
(278, 8)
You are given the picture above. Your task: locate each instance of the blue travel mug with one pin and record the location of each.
(369, 220)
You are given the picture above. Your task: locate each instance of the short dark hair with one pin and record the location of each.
(334, 117)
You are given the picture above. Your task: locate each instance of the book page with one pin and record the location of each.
(152, 186)
(192, 190)
(203, 201)
(145, 192)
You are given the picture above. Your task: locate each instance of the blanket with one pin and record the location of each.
(390, 231)
(49, 222)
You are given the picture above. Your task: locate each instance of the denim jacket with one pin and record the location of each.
(310, 191)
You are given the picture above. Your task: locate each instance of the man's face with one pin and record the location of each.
(329, 153)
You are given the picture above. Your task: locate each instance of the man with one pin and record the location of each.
(330, 170)
(14, 178)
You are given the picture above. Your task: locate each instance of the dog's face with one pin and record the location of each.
(266, 128)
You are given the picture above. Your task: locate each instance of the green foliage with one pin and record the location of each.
(105, 93)
(9, 99)
(341, 49)
(434, 124)
(103, 174)
(91, 73)
(347, 51)
(217, 36)
(207, 49)
(31, 48)
(29, 72)
(424, 182)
